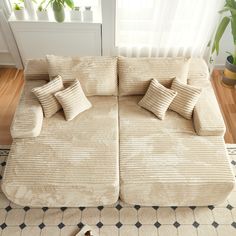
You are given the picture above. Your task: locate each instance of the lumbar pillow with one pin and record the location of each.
(186, 98)
(45, 95)
(157, 99)
(73, 100)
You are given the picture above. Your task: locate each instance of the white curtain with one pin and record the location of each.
(6, 6)
(165, 27)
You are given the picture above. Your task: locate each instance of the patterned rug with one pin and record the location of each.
(120, 219)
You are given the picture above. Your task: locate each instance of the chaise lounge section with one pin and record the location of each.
(175, 162)
(69, 163)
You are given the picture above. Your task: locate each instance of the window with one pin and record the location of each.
(165, 27)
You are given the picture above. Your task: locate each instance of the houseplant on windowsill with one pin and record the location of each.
(229, 77)
(42, 12)
(19, 10)
(58, 8)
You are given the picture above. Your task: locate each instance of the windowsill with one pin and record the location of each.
(51, 20)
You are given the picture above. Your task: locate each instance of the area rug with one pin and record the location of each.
(120, 219)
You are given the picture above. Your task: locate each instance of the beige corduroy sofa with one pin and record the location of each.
(116, 148)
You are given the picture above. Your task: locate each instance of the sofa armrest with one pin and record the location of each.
(207, 116)
(28, 119)
(27, 123)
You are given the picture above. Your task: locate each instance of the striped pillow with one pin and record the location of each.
(186, 98)
(73, 100)
(45, 95)
(157, 99)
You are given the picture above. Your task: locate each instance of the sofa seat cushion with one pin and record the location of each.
(71, 163)
(165, 163)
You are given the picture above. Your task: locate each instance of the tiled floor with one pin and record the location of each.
(121, 219)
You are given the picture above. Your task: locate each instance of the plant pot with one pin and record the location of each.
(59, 13)
(229, 76)
(19, 14)
(88, 15)
(42, 15)
(75, 15)
(29, 7)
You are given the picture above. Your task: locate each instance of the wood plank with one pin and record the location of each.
(11, 83)
(227, 100)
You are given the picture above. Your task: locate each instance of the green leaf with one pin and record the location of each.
(233, 28)
(220, 31)
(224, 10)
(70, 3)
(232, 10)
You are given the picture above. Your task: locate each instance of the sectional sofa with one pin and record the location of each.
(117, 149)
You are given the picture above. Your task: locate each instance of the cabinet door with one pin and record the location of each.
(36, 39)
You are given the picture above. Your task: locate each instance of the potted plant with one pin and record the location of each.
(229, 77)
(29, 7)
(42, 12)
(19, 11)
(58, 8)
(75, 14)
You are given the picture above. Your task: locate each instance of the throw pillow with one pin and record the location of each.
(157, 99)
(45, 95)
(73, 100)
(186, 98)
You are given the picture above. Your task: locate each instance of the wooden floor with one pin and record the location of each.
(11, 83)
(227, 99)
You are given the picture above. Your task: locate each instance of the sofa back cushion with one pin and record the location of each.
(97, 75)
(135, 74)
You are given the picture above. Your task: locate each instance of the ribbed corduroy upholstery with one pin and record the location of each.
(135, 74)
(157, 99)
(45, 95)
(28, 117)
(73, 100)
(166, 163)
(186, 99)
(97, 75)
(71, 163)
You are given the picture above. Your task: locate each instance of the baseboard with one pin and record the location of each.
(219, 66)
(7, 66)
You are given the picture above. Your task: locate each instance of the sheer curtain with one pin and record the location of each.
(165, 27)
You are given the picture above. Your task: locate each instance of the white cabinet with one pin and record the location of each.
(35, 39)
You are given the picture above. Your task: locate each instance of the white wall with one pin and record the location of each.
(226, 44)
(5, 55)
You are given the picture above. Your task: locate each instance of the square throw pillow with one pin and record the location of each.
(186, 98)
(157, 99)
(45, 95)
(73, 100)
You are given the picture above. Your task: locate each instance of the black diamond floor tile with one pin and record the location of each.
(195, 224)
(8, 208)
(22, 226)
(3, 226)
(215, 224)
(99, 225)
(118, 207)
(119, 225)
(61, 225)
(176, 224)
(80, 225)
(42, 225)
(157, 224)
(138, 224)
